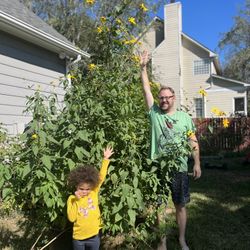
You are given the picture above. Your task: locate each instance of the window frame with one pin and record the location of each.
(200, 109)
(203, 68)
(244, 105)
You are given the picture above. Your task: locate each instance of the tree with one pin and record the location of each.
(236, 45)
(77, 20)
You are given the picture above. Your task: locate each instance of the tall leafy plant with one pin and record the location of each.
(102, 105)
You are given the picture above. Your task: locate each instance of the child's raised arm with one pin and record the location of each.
(107, 152)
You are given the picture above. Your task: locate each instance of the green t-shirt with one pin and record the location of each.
(168, 133)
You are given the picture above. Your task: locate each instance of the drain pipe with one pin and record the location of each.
(70, 65)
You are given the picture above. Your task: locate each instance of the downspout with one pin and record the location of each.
(70, 65)
(209, 87)
(210, 65)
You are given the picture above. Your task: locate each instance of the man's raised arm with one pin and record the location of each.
(145, 82)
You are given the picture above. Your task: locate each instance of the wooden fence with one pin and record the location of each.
(214, 138)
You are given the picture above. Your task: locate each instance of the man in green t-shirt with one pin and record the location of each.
(168, 126)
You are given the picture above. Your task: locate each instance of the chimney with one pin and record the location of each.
(172, 31)
(166, 59)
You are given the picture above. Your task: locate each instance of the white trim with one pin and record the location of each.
(31, 30)
(231, 80)
(211, 53)
(245, 104)
(230, 89)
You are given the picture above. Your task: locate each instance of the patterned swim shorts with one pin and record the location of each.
(180, 188)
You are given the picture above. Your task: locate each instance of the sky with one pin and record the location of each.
(206, 20)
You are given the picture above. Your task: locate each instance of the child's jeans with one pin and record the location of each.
(92, 243)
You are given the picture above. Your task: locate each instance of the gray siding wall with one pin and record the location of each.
(25, 67)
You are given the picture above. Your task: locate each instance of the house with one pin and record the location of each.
(32, 55)
(189, 67)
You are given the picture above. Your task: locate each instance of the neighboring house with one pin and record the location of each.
(186, 65)
(32, 55)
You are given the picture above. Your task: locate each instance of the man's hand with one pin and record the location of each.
(144, 58)
(196, 171)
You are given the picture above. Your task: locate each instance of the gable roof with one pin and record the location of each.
(231, 80)
(17, 19)
(210, 52)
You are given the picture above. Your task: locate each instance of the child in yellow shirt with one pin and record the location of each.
(82, 208)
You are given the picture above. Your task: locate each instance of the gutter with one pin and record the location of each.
(35, 32)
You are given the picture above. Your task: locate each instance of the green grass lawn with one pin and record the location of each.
(219, 211)
(218, 214)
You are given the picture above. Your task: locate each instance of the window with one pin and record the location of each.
(201, 66)
(239, 105)
(199, 107)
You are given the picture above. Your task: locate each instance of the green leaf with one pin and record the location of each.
(26, 170)
(71, 164)
(42, 137)
(83, 135)
(79, 153)
(40, 173)
(125, 189)
(132, 215)
(35, 149)
(114, 178)
(67, 143)
(72, 127)
(86, 153)
(135, 182)
(46, 160)
(116, 209)
(6, 192)
(118, 217)
(123, 174)
(131, 202)
(51, 139)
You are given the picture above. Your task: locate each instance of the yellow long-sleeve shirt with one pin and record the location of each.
(85, 212)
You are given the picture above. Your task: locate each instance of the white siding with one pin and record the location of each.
(192, 83)
(23, 69)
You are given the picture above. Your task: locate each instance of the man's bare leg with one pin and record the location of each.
(181, 218)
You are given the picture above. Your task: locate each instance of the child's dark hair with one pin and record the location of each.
(84, 174)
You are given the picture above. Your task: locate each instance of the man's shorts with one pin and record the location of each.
(179, 187)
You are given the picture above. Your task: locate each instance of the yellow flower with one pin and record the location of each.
(155, 84)
(225, 123)
(132, 41)
(132, 20)
(215, 111)
(103, 19)
(90, 2)
(99, 29)
(190, 133)
(34, 136)
(143, 7)
(136, 58)
(202, 92)
(70, 76)
(118, 21)
(91, 66)
(222, 113)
